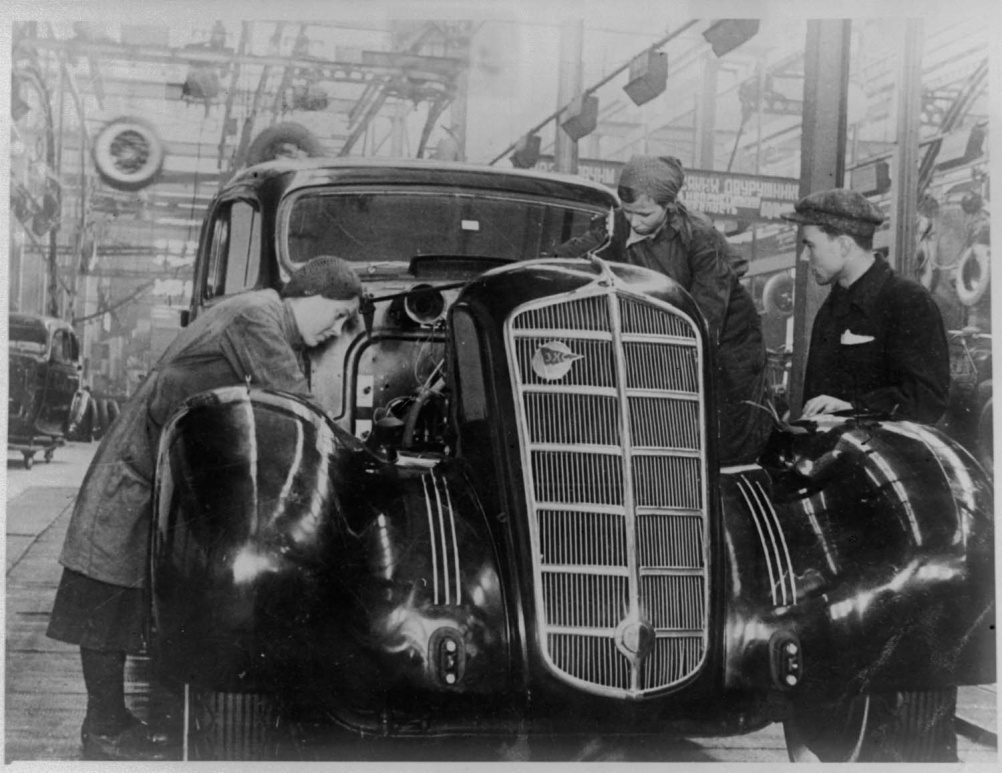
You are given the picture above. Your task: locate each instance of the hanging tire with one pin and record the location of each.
(128, 154)
(879, 727)
(289, 139)
(973, 274)
(777, 295)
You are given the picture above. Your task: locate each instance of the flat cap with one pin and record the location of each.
(325, 275)
(840, 208)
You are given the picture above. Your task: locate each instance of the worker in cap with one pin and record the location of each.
(251, 337)
(657, 231)
(878, 345)
(840, 209)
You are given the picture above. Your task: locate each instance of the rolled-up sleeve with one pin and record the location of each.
(255, 345)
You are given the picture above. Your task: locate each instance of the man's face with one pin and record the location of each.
(827, 254)
(320, 319)
(645, 215)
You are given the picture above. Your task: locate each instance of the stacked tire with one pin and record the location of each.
(97, 417)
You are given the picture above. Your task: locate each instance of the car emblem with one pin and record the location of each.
(636, 638)
(553, 360)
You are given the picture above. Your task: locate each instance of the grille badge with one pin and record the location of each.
(635, 638)
(553, 360)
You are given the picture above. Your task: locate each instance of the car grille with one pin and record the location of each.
(611, 428)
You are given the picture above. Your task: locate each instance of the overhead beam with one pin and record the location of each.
(373, 62)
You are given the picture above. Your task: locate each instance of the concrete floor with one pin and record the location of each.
(45, 696)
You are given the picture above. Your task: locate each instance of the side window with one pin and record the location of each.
(61, 347)
(234, 251)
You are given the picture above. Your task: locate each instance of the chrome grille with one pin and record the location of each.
(597, 363)
(574, 538)
(613, 447)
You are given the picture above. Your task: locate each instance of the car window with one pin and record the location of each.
(399, 225)
(62, 349)
(234, 250)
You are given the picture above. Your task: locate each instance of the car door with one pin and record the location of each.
(62, 380)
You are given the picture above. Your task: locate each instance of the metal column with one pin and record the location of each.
(901, 254)
(565, 151)
(822, 152)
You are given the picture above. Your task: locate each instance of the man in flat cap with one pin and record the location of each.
(656, 231)
(878, 342)
(248, 338)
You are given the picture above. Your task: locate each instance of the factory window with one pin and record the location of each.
(235, 250)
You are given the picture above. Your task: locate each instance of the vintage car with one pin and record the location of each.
(501, 515)
(43, 396)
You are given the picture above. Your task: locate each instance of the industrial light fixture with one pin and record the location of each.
(526, 152)
(580, 117)
(960, 146)
(872, 179)
(724, 35)
(648, 76)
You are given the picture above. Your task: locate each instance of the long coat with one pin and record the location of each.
(691, 251)
(251, 336)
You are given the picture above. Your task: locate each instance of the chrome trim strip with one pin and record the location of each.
(597, 570)
(431, 537)
(455, 542)
(761, 537)
(556, 332)
(442, 537)
(768, 508)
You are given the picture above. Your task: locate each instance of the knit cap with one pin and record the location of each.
(324, 275)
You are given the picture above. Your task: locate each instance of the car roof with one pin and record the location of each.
(371, 170)
(38, 320)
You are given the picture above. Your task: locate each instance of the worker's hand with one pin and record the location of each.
(823, 404)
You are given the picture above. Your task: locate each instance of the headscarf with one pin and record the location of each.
(661, 178)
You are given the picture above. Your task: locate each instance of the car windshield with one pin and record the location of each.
(28, 337)
(391, 226)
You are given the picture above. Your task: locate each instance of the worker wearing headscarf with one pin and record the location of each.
(656, 231)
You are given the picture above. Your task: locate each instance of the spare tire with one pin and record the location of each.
(111, 411)
(284, 140)
(973, 273)
(84, 430)
(777, 295)
(101, 423)
(128, 153)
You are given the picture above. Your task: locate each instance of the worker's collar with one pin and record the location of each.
(292, 334)
(863, 292)
(673, 224)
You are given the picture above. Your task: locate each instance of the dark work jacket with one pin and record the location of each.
(253, 336)
(701, 260)
(880, 344)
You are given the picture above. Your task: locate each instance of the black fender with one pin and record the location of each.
(869, 545)
(288, 556)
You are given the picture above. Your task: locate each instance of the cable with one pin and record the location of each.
(653, 47)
